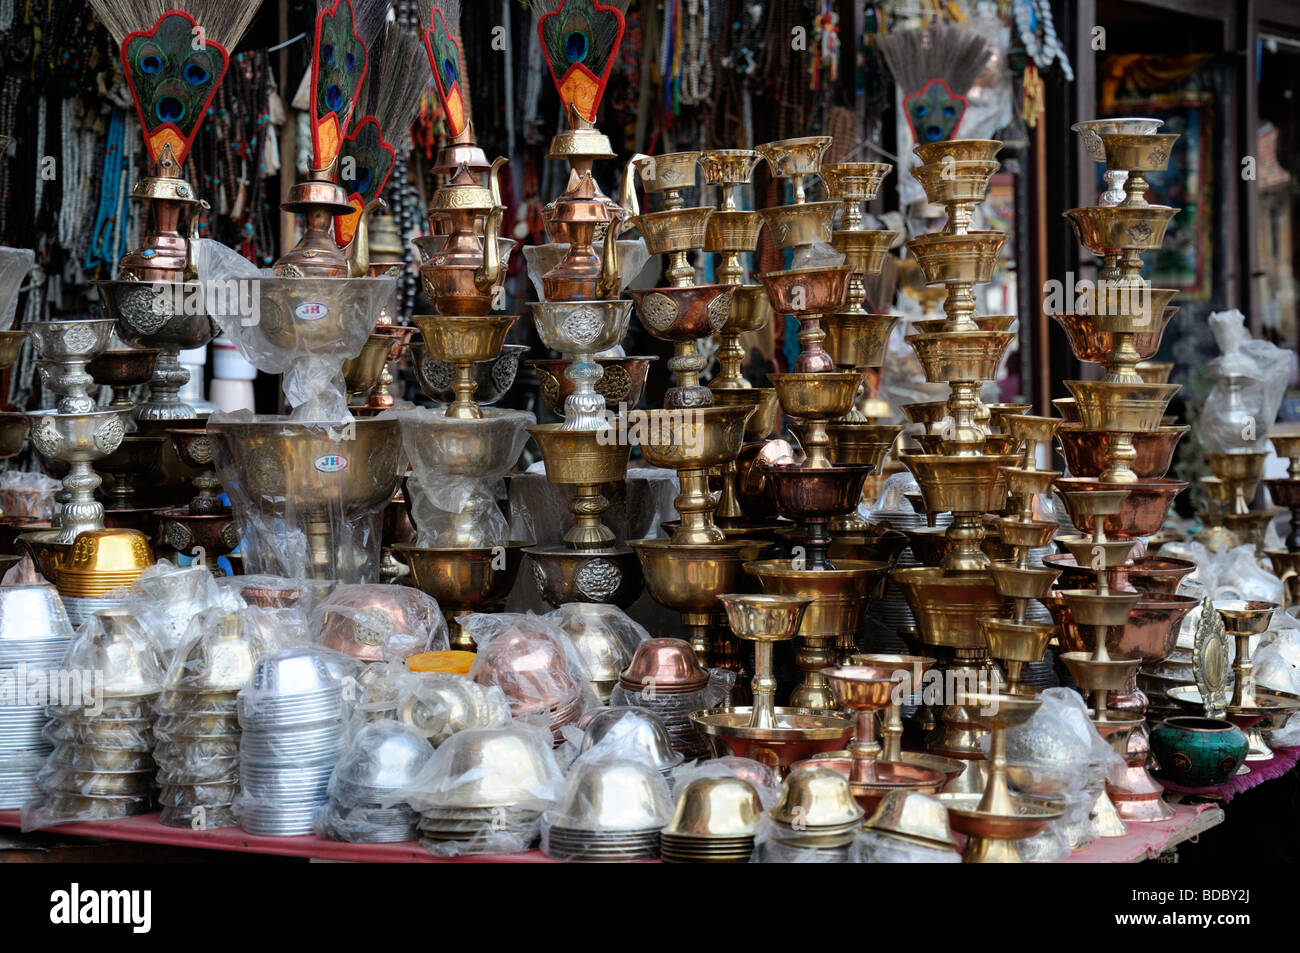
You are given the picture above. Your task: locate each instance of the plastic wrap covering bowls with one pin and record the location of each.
(533, 672)
(383, 757)
(637, 733)
(610, 811)
(376, 622)
(486, 786)
(101, 766)
(198, 754)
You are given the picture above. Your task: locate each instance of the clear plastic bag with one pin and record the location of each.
(1058, 751)
(27, 494)
(308, 495)
(760, 776)
(877, 847)
(15, 263)
(457, 473)
(612, 808)
(169, 598)
(532, 662)
(374, 622)
(605, 636)
(1250, 380)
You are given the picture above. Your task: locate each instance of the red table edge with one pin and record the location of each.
(145, 829)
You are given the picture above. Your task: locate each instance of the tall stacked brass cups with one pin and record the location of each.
(580, 316)
(730, 232)
(960, 470)
(1119, 444)
(462, 266)
(694, 433)
(1285, 491)
(814, 392)
(856, 339)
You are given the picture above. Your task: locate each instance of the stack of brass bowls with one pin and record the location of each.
(816, 812)
(715, 823)
(291, 713)
(101, 561)
(908, 827)
(610, 811)
(665, 678)
(102, 766)
(533, 673)
(486, 788)
(383, 757)
(34, 635)
(637, 733)
(198, 726)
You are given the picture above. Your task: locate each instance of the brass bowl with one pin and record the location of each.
(947, 606)
(361, 372)
(766, 408)
(962, 180)
(863, 443)
(108, 551)
(961, 150)
(803, 223)
(792, 157)
(563, 575)
(912, 817)
(689, 578)
(1106, 230)
(14, 428)
(1158, 575)
(1085, 450)
(472, 338)
(815, 395)
(11, 344)
(699, 438)
(463, 579)
(764, 618)
(855, 181)
(622, 382)
(716, 808)
(1144, 153)
(858, 340)
(963, 258)
(816, 797)
(802, 493)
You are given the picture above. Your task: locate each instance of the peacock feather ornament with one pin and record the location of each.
(580, 40)
(444, 57)
(337, 70)
(174, 60)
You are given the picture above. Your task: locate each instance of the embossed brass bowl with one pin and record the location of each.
(361, 373)
(959, 258)
(962, 180)
(622, 382)
(465, 338)
(947, 606)
(803, 223)
(493, 377)
(563, 575)
(1106, 230)
(102, 560)
(815, 395)
(694, 438)
(766, 408)
(858, 340)
(855, 181)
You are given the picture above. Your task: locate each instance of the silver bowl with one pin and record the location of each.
(614, 796)
(634, 732)
(384, 756)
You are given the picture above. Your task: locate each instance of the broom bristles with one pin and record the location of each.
(954, 54)
(450, 10)
(368, 17)
(541, 8)
(224, 22)
(393, 88)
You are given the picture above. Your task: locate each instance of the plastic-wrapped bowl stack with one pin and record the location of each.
(665, 678)
(611, 811)
(198, 726)
(384, 757)
(101, 566)
(527, 657)
(638, 734)
(815, 820)
(291, 714)
(485, 789)
(34, 635)
(714, 823)
(102, 765)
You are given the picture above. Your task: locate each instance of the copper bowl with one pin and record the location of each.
(751, 476)
(682, 314)
(1159, 575)
(1142, 514)
(1095, 347)
(802, 493)
(1085, 450)
(623, 381)
(14, 428)
(123, 367)
(669, 665)
(1150, 633)
(530, 670)
(1067, 408)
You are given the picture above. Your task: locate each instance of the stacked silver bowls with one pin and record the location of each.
(291, 714)
(102, 764)
(486, 788)
(610, 811)
(636, 733)
(383, 758)
(198, 726)
(34, 635)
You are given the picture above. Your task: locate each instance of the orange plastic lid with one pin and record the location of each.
(457, 663)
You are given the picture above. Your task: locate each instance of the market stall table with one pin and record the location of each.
(1144, 841)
